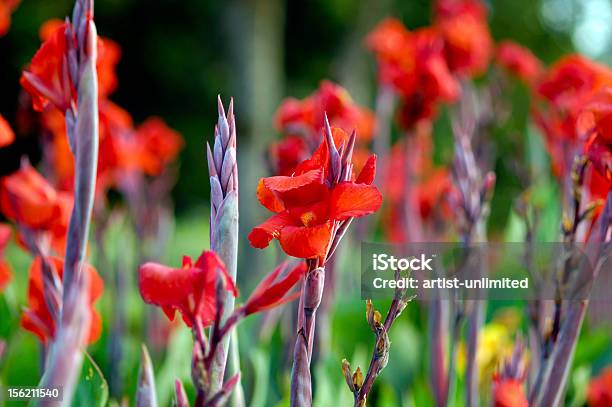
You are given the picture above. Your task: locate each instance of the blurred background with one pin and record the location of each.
(178, 55)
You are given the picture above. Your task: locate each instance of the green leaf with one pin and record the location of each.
(92, 389)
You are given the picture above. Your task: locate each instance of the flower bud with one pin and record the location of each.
(314, 289)
(346, 370)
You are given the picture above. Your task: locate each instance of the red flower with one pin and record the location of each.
(306, 116)
(413, 64)
(308, 205)
(519, 61)
(271, 293)
(6, 9)
(509, 393)
(47, 79)
(467, 41)
(29, 200)
(5, 268)
(38, 319)
(599, 393)
(288, 153)
(6, 133)
(190, 289)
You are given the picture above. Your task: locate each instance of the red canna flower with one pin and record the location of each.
(47, 79)
(154, 145)
(190, 289)
(509, 393)
(28, 199)
(37, 317)
(599, 393)
(310, 204)
(413, 64)
(5, 268)
(6, 133)
(6, 9)
(467, 41)
(271, 292)
(519, 61)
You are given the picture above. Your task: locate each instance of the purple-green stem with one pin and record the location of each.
(145, 392)
(65, 357)
(223, 169)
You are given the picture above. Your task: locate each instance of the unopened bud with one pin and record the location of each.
(346, 370)
(314, 289)
(357, 379)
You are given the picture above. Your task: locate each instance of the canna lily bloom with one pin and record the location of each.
(6, 9)
(307, 116)
(37, 317)
(154, 146)
(28, 199)
(5, 268)
(467, 41)
(413, 64)
(47, 79)
(6, 133)
(519, 61)
(509, 393)
(310, 204)
(191, 289)
(272, 292)
(599, 393)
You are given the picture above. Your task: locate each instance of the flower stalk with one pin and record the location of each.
(66, 351)
(223, 170)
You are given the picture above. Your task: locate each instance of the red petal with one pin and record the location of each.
(163, 286)
(305, 242)
(210, 263)
(268, 199)
(350, 200)
(268, 295)
(6, 133)
(368, 172)
(283, 184)
(261, 235)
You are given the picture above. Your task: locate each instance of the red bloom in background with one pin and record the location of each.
(599, 393)
(565, 89)
(413, 64)
(308, 206)
(519, 61)
(467, 41)
(272, 292)
(5, 268)
(190, 289)
(29, 200)
(47, 79)
(509, 393)
(307, 115)
(38, 319)
(6, 9)
(6, 133)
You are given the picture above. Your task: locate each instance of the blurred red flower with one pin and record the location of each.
(599, 393)
(191, 289)
(468, 45)
(509, 393)
(29, 200)
(6, 133)
(272, 292)
(38, 319)
(519, 61)
(6, 9)
(306, 116)
(308, 206)
(5, 268)
(47, 79)
(413, 64)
